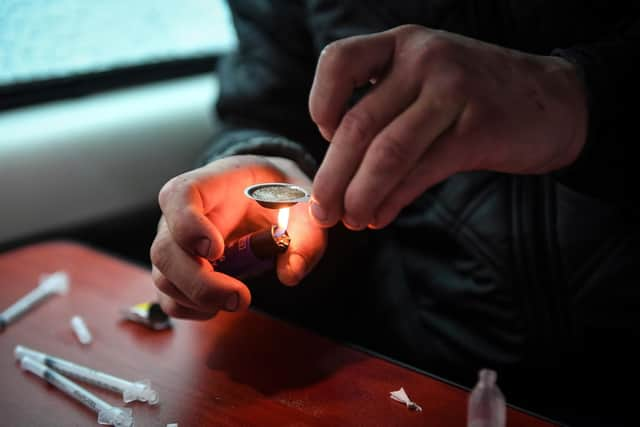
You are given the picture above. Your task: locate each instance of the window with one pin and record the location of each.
(52, 49)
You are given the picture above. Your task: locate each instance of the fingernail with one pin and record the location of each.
(351, 224)
(202, 247)
(318, 212)
(375, 224)
(232, 303)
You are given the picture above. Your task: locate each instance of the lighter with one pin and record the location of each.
(255, 253)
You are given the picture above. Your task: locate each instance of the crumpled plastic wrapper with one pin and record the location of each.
(402, 397)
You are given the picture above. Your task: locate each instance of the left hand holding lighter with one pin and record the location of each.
(205, 209)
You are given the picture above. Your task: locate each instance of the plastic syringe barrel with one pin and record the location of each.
(138, 390)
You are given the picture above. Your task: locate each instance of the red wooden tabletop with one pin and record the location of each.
(240, 369)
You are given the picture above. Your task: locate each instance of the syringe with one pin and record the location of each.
(107, 414)
(56, 283)
(131, 390)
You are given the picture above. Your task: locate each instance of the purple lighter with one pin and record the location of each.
(253, 254)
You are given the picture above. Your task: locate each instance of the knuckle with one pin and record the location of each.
(323, 193)
(391, 154)
(178, 184)
(322, 111)
(194, 289)
(438, 45)
(457, 82)
(409, 28)
(170, 307)
(163, 285)
(319, 109)
(451, 92)
(357, 123)
(356, 206)
(334, 58)
(159, 253)
(316, 111)
(161, 282)
(198, 291)
(323, 185)
(435, 54)
(168, 190)
(185, 227)
(327, 190)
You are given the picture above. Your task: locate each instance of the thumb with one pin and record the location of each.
(308, 242)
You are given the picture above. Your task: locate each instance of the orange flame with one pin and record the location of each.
(283, 220)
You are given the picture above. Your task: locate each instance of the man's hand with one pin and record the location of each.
(205, 208)
(440, 104)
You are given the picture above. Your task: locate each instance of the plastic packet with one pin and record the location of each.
(149, 314)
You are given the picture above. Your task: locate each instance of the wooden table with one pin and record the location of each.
(238, 369)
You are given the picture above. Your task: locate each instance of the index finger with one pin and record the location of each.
(343, 66)
(183, 208)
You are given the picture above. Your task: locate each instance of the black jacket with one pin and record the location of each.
(485, 269)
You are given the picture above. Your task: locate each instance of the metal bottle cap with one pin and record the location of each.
(276, 195)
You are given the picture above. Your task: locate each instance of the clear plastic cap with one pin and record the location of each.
(81, 330)
(487, 377)
(142, 391)
(116, 416)
(28, 364)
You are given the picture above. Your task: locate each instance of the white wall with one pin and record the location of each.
(74, 161)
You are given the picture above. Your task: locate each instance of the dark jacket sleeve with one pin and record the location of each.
(265, 83)
(610, 70)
